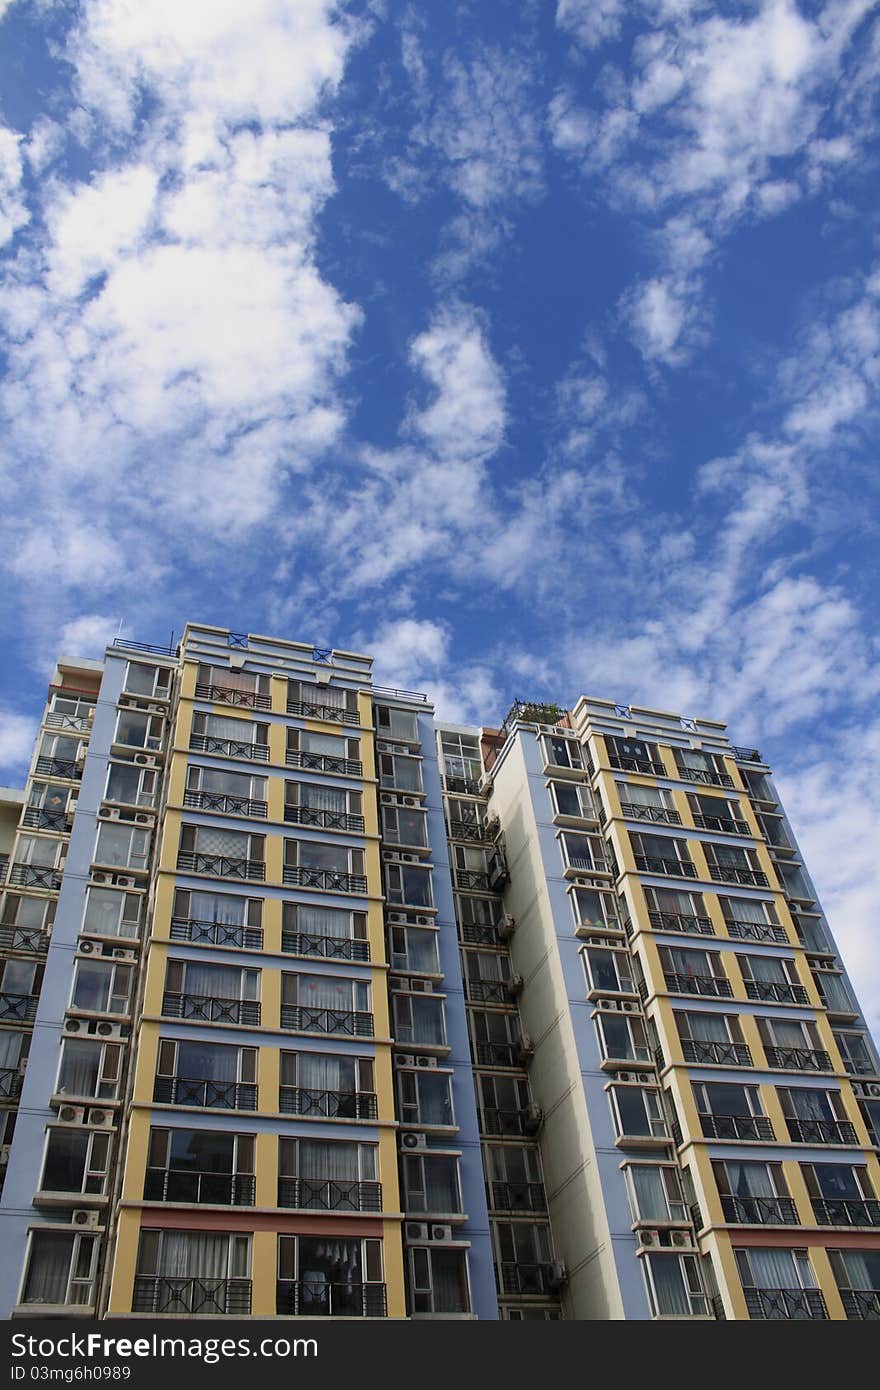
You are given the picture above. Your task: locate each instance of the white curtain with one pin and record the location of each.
(218, 981)
(640, 796)
(79, 1067)
(49, 1268)
(788, 1033)
(673, 900)
(324, 921)
(672, 1296)
(773, 1269)
(217, 907)
(749, 1179)
(747, 910)
(322, 798)
(323, 743)
(708, 1027)
(224, 726)
(863, 1268)
(769, 969)
(232, 680)
(324, 1072)
(330, 695)
(650, 1193)
(811, 1105)
(338, 1162)
(232, 843)
(187, 1254)
(427, 1017)
(324, 992)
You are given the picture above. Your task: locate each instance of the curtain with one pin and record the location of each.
(313, 855)
(92, 987)
(435, 1107)
(687, 963)
(421, 949)
(325, 1072)
(427, 1016)
(232, 680)
(102, 911)
(232, 843)
(218, 981)
(331, 695)
(747, 910)
(447, 1281)
(224, 726)
(79, 1068)
(773, 1269)
(769, 969)
(318, 1159)
(811, 1105)
(207, 1061)
(324, 921)
(690, 757)
(322, 798)
(863, 1268)
(650, 1193)
(640, 796)
(323, 743)
(440, 1178)
(215, 779)
(789, 1033)
(10, 1049)
(749, 1179)
(672, 1296)
(708, 1027)
(673, 900)
(217, 907)
(49, 1267)
(324, 992)
(190, 1254)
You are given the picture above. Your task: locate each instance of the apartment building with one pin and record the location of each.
(314, 1005)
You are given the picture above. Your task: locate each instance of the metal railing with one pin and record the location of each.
(216, 933)
(776, 992)
(494, 1120)
(10, 1083)
(598, 865)
(35, 876)
(735, 873)
(325, 762)
(330, 1105)
(487, 991)
(699, 984)
(480, 934)
(128, 644)
(30, 940)
(674, 868)
(723, 1054)
(58, 767)
(746, 755)
(300, 943)
(707, 776)
(846, 1211)
(498, 1054)
(185, 1185)
(38, 818)
(759, 1211)
(755, 931)
(220, 865)
(18, 1008)
(346, 1022)
(469, 878)
(516, 1196)
(165, 1294)
(797, 1058)
(333, 880)
(210, 1095)
(683, 922)
(821, 1131)
(785, 1304)
(466, 830)
(226, 804)
(736, 1127)
(211, 1009)
(329, 1194)
(516, 1277)
(324, 820)
(330, 714)
(225, 695)
(645, 765)
(729, 825)
(660, 815)
(316, 1298)
(861, 1303)
(245, 749)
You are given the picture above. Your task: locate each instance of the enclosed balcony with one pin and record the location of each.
(315, 1298)
(749, 1127)
(324, 762)
(220, 865)
(331, 880)
(699, 984)
(197, 1188)
(722, 1054)
(201, 1296)
(509, 1122)
(785, 1304)
(327, 1105)
(216, 933)
(817, 1131)
(516, 1196)
(759, 1211)
(343, 1022)
(846, 1211)
(211, 1009)
(498, 1054)
(226, 805)
(776, 992)
(329, 1194)
(681, 922)
(798, 1058)
(211, 1095)
(242, 749)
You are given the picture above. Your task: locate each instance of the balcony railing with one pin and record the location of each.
(506, 1122)
(821, 1131)
(329, 1105)
(329, 1194)
(18, 1008)
(681, 921)
(211, 1095)
(727, 825)
(346, 1022)
(10, 1083)
(746, 755)
(737, 1127)
(58, 767)
(469, 878)
(660, 815)
(211, 1009)
(488, 991)
(35, 876)
(152, 1294)
(333, 880)
(466, 830)
(220, 865)
(461, 786)
(859, 1066)
(646, 765)
(723, 1054)
(330, 714)
(699, 984)
(225, 695)
(324, 820)
(28, 940)
(515, 1277)
(708, 776)
(300, 943)
(244, 749)
(226, 804)
(798, 1058)
(38, 818)
(4, 866)
(776, 992)
(480, 934)
(74, 723)
(755, 931)
(597, 865)
(497, 1054)
(846, 1211)
(516, 1196)
(316, 1298)
(861, 1303)
(674, 868)
(736, 873)
(785, 1304)
(216, 933)
(325, 762)
(216, 1189)
(759, 1211)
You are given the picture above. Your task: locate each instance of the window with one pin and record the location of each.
(322, 1278)
(101, 987)
(717, 813)
(425, 1097)
(73, 707)
(401, 772)
(227, 853)
(28, 914)
(478, 912)
(607, 971)
(198, 1165)
(640, 802)
(595, 909)
(219, 789)
(622, 1038)
(131, 785)
(327, 1084)
(793, 1043)
(310, 930)
(503, 1101)
(139, 730)
(192, 1271)
(723, 1100)
(237, 687)
(779, 1284)
(206, 1074)
(693, 765)
(122, 846)
(694, 972)
(772, 977)
(673, 909)
(111, 913)
(310, 803)
(75, 1161)
(461, 756)
(438, 1280)
(562, 752)
(39, 851)
(141, 678)
(226, 734)
(842, 1194)
(330, 1175)
(655, 1193)
(634, 755)
(62, 751)
(418, 1019)
(193, 985)
(409, 884)
(60, 1269)
(858, 1277)
(675, 1288)
(584, 852)
(20, 978)
(326, 1004)
(733, 864)
(399, 724)
(712, 1038)
(662, 854)
(638, 1112)
(754, 1193)
(414, 948)
(833, 991)
(332, 746)
(856, 1054)
(573, 799)
(431, 1185)
(89, 1069)
(316, 854)
(402, 827)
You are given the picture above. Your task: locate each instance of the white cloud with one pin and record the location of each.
(88, 635)
(466, 418)
(13, 209)
(590, 22)
(17, 734)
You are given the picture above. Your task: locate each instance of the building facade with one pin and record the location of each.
(314, 1005)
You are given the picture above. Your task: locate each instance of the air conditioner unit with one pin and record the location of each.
(526, 1049)
(441, 1233)
(533, 1119)
(119, 953)
(410, 801)
(608, 1006)
(411, 1139)
(873, 1089)
(125, 881)
(416, 1230)
(155, 709)
(625, 1076)
(425, 1061)
(682, 1240)
(485, 784)
(102, 1118)
(648, 1240)
(72, 805)
(109, 1030)
(145, 759)
(404, 1059)
(87, 948)
(108, 813)
(419, 986)
(507, 926)
(558, 1275)
(491, 826)
(141, 819)
(71, 1115)
(629, 1006)
(85, 1218)
(98, 877)
(515, 986)
(73, 1025)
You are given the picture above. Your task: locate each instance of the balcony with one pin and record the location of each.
(38, 818)
(755, 931)
(778, 993)
(755, 1127)
(243, 749)
(197, 1188)
(315, 1298)
(32, 941)
(468, 878)
(785, 1304)
(645, 765)
(343, 1022)
(35, 876)
(821, 1131)
(225, 695)
(461, 786)
(596, 865)
(516, 1196)
(221, 866)
(747, 755)
(329, 1194)
(211, 1009)
(327, 1105)
(227, 805)
(681, 922)
(58, 767)
(466, 830)
(498, 1054)
(863, 1304)
(480, 934)
(299, 943)
(10, 1083)
(699, 984)
(735, 873)
(231, 1297)
(509, 1122)
(659, 815)
(330, 714)
(724, 825)
(209, 1095)
(514, 1277)
(331, 880)
(798, 1058)
(324, 820)
(488, 991)
(672, 868)
(706, 776)
(721, 1054)
(18, 1008)
(759, 1211)
(4, 866)
(216, 933)
(846, 1211)
(325, 762)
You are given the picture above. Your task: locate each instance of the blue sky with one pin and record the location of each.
(533, 347)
